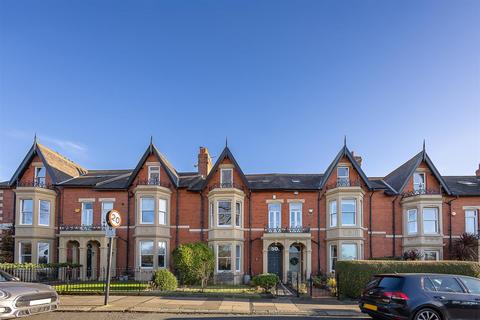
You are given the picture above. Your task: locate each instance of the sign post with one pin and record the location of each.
(113, 221)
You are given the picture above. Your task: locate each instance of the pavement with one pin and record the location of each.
(324, 307)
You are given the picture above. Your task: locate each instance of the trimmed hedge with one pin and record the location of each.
(354, 275)
(164, 280)
(267, 281)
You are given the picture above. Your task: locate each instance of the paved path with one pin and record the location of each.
(219, 306)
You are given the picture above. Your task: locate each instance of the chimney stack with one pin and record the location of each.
(204, 162)
(357, 158)
(477, 173)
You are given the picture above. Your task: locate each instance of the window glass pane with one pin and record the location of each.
(162, 251)
(224, 213)
(430, 220)
(238, 214)
(238, 257)
(27, 211)
(106, 206)
(40, 174)
(418, 181)
(43, 248)
(473, 285)
(348, 212)
(391, 283)
(333, 213)
(333, 257)
(349, 251)
(226, 177)
(445, 284)
(224, 257)
(412, 221)
(44, 218)
(148, 205)
(471, 223)
(146, 254)
(342, 172)
(295, 215)
(430, 255)
(274, 215)
(162, 211)
(87, 213)
(25, 252)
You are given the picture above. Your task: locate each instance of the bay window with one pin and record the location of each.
(162, 211)
(224, 213)
(348, 212)
(412, 224)
(26, 212)
(43, 252)
(471, 221)
(238, 214)
(274, 216)
(147, 208)
(224, 257)
(146, 254)
(349, 251)
(430, 221)
(333, 213)
(162, 253)
(295, 215)
(87, 213)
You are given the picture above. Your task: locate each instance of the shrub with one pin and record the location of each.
(164, 280)
(354, 275)
(466, 248)
(194, 262)
(266, 281)
(412, 255)
(332, 286)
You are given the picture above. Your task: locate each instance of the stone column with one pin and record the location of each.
(265, 260)
(83, 261)
(308, 263)
(286, 263)
(103, 262)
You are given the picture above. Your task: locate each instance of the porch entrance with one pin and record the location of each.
(275, 257)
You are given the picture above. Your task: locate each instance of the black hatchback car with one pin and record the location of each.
(421, 297)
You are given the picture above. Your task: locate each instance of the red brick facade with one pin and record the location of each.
(371, 215)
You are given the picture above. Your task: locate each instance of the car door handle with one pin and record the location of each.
(439, 297)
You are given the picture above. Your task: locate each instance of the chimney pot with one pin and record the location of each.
(204, 162)
(477, 173)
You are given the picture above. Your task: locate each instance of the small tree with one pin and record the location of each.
(7, 246)
(194, 262)
(466, 248)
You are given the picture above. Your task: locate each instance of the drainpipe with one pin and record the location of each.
(129, 196)
(450, 240)
(393, 226)
(177, 217)
(58, 210)
(202, 218)
(370, 225)
(318, 230)
(250, 232)
(14, 221)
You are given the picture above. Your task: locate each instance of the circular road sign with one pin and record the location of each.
(114, 219)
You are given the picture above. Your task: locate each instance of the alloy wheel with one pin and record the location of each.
(427, 314)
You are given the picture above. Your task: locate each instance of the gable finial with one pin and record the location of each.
(151, 139)
(423, 145)
(226, 142)
(35, 138)
(345, 140)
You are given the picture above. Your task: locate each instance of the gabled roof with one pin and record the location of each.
(399, 177)
(344, 152)
(280, 181)
(171, 172)
(94, 177)
(226, 154)
(58, 167)
(463, 185)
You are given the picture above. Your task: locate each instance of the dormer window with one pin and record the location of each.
(226, 178)
(153, 174)
(419, 182)
(40, 176)
(343, 177)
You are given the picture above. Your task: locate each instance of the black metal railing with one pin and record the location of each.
(420, 192)
(37, 183)
(153, 182)
(225, 185)
(82, 227)
(344, 182)
(287, 230)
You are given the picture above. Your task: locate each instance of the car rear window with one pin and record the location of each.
(391, 283)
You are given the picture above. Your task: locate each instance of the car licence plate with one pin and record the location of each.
(41, 301)
(370, 307)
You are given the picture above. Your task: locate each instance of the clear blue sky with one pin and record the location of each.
(284, 80)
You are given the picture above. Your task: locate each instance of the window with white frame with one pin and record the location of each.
(333, 257)
(106, 207)
(274, 215)
(25, 251)
(419, 181)
(295, 214)
(162, 254)
(43, 252)
(212, 220)
(146, 254)
(147, 210)
(87, 213)
(153, 174)
(162, 211)
(26, 211)
(224, 257)
(412, 221)
(349, 212)
(40, 176)
(471, 221)
(333, 213)
(343, 176)
(238, 258)
(224, 213)
(238, 214)
(44, 213)
(431, 255)
(349, 251)
(430, 221)
(226, 178)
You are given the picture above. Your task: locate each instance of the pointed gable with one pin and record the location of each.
(58, 167)
(165, 165)
(226, 157)
(344, 154)
(399, 178)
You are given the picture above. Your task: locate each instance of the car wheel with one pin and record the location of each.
(427, 314)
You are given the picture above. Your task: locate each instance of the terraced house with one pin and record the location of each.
(280, 223)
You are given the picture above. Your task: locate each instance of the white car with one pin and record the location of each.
(20, 299)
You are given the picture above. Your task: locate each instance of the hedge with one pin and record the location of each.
(164, 280)
(7, 265)
(354, 275)
(267, 281)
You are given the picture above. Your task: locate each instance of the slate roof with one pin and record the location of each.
(276, 181)
(94, 177)
(463, 185)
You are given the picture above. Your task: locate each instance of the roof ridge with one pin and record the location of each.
(62, 157)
